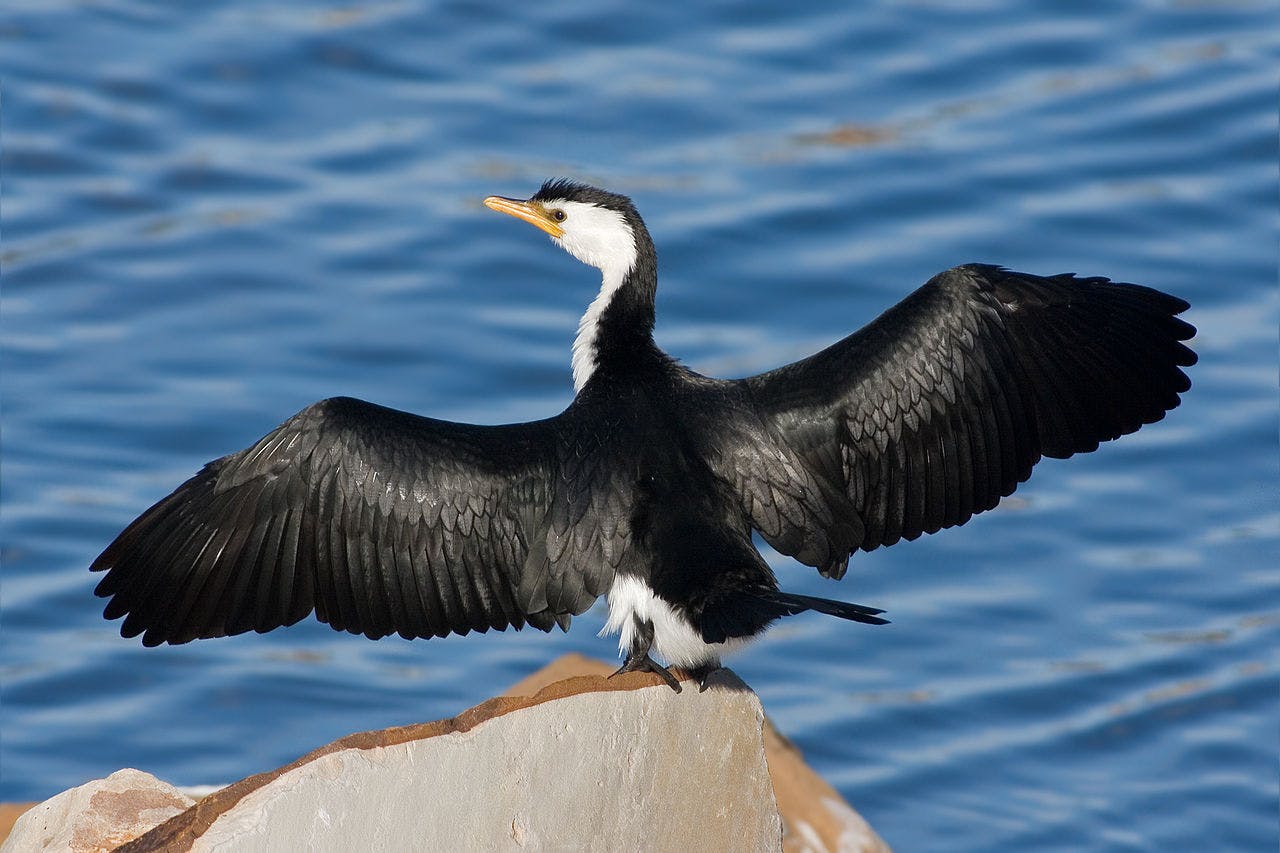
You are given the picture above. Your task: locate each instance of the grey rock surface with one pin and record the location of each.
(615, 770)
(566, 760)
(98, 815)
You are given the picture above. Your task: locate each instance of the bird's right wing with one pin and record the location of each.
(381, 521)
(941, 406)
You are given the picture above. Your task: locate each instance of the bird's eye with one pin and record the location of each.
(559, 215)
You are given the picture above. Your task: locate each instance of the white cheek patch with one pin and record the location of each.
(674, 639)
(600, 238)
(597, 236)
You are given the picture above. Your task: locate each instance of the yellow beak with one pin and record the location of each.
(530, 211)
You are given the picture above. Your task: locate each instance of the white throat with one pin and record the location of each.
(601, 238)
(584, 343)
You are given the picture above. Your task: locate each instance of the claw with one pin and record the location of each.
(644, 663)
(702, 674)
(638, 659)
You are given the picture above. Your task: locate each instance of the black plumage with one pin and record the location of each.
(649, 485)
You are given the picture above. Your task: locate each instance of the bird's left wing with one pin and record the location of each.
(943, 404)
(381, 521)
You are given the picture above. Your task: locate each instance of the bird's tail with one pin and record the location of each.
(790, 603)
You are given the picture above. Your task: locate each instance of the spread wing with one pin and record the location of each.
(380, 521)
(942, 405)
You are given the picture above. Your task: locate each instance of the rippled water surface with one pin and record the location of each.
(215, 214)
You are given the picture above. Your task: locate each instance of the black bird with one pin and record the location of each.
(648, 486)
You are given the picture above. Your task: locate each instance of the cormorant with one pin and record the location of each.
(648, 486)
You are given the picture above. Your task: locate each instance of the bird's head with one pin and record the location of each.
(597, 227)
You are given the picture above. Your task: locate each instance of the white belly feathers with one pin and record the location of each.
(674, 639)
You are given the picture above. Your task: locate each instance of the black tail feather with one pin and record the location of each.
(790, 603)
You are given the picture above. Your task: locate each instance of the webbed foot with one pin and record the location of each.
(702, 674)
(644, 663)
(638, 659)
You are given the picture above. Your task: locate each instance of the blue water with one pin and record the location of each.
(215, 214)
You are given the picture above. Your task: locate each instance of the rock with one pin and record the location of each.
(98, 815)
(565, 760)
(9, 814)
(586, 763)
(815, 818)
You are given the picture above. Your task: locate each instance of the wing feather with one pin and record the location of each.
(380, 521)
(943, 404)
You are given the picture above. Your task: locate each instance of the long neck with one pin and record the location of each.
(617, 327)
